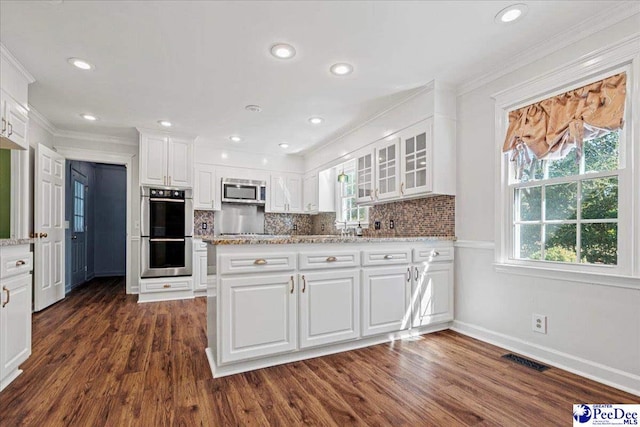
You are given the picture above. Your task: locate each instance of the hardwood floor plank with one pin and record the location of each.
(100, 358)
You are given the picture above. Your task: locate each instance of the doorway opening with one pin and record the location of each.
(95, 222)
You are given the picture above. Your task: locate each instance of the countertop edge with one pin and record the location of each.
(293, 240)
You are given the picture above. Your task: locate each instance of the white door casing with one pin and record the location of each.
(48, 223)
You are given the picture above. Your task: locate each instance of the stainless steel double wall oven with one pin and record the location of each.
(167, 231)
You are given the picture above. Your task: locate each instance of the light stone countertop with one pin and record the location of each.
(15, 242)
(301, 239)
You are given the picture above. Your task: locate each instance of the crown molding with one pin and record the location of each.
(95, 137)
(583, 29)
(421, 89)
(14, 61)
(42, 120)
(163, 132)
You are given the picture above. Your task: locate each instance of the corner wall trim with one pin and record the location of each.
(586, 368)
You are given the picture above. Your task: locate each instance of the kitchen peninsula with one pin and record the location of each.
(279, 299)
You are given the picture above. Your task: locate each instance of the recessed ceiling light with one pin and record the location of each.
(165, 123)
(283, 145)
(283, 51)
(316, 120)
(89, 117)
(235, 138)
(511, 13)
(341, 69)
(253, 108)
(80, 63)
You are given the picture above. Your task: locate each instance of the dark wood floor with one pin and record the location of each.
(99, 358)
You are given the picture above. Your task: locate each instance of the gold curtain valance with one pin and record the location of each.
(550, 128)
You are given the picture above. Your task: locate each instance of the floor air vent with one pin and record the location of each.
(526, 362)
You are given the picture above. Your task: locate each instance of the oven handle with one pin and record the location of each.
(166, 240)
(167, 200)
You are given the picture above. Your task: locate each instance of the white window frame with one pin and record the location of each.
(350, 168)
(621, 57)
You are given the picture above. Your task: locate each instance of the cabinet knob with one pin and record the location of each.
(408, 274)
(20, 262)
(304, 283)
(167, 285)
(402, 188)
(10, 129)
(292, 285)
(260, 261)
(331, 259)
(4, 125)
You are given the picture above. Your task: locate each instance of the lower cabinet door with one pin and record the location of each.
(329, 307)
(386, 299)
(201, 271)
(15, 311)
(432, 287)
(258, 316)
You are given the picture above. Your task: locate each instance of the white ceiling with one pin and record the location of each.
(199, 63)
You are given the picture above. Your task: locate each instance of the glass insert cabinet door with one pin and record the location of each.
(416, 149)
(387, 170)
(364, 178)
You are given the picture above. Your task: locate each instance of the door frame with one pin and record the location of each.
(85, 155)
(72, 190)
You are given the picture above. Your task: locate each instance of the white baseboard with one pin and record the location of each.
(110, 273)
(164, 296)
(594, 371)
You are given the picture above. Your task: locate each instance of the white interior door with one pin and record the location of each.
(48, 227)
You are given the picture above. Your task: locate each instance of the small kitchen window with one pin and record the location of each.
(348, 211)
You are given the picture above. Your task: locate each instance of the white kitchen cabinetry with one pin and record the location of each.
(329, 307)
(432, 290)
(416, 153)
(387, 170)
(386, 296)
(206, 188)
(258, 316)
(365, 178)
(199, 266)
(15, 122)
(286, 193)
(310, 194)
(166, 160)
(15, 311)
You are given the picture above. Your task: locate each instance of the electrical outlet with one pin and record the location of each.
(204, 225)
(322, 227)
(539, 323)
(392, 224)
(376, 225)
(295, 227)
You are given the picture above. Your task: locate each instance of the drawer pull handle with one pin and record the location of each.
(166, 286)
(304, 283)
(331, 259)
(20, 262)
(435, 253)
(4, 288)
(260, 261)
(388, 257)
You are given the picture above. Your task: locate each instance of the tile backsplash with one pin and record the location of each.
(431, 216)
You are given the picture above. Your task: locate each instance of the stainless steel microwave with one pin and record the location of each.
(244, 191)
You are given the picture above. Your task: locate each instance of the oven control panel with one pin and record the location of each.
(166, 194)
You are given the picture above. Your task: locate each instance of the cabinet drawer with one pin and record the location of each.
(328, 259)
(257, 262)
(171, 285)
(199, 245)
(386, 256)
(16, 260)
(431, 254)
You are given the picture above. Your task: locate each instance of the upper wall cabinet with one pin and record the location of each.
(286, 193)
(14, 88)
(166, 160)
(15, 122)
(310, 194)
(409, 164)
